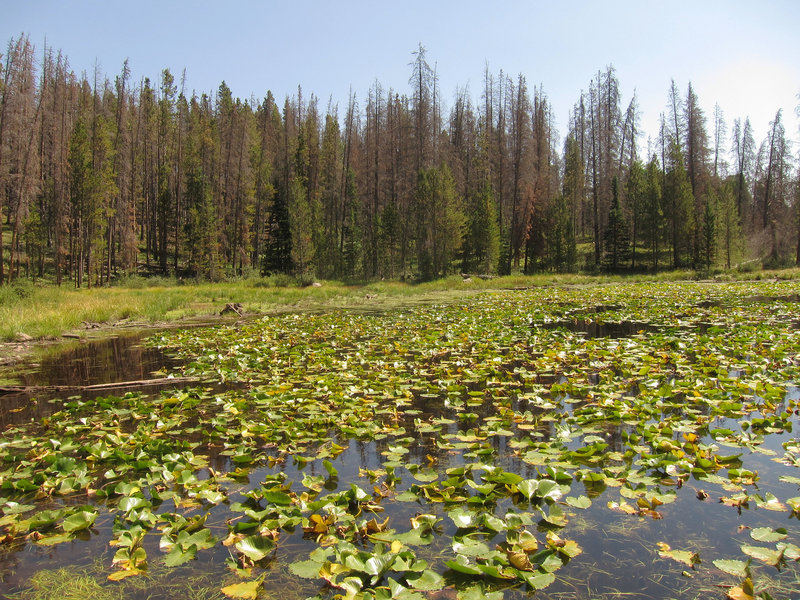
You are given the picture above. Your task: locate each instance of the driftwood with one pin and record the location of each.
(141, 383)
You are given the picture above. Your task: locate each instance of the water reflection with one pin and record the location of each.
(111, 360)
(601, 329)
(117, 359)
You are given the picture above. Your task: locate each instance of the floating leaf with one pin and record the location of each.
(52, 540)
(255, 547)
(737, 568)
(765, 555)
(80, 520)
(469, 547)
(425, 475)
(178, 555)
(464, 518)
(685, 557)
(427, 580)
(579, 502)
(277, 497)
(767, 534)
(538, 580)
(247, 590)
(308, 569)
(463, 565)
(477, 592)
(742, 592)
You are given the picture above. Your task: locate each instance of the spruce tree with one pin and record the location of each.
(482, 237)
(616, 240)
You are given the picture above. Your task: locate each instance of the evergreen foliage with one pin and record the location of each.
(617, 245)
(100, 180)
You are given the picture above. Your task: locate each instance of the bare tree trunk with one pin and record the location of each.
(595, 199)
(3, 121)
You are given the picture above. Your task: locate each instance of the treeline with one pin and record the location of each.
(102, 178)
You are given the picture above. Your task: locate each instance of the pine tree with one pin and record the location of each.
(440, 220)
(482, 237)
(729, 230)
(635, 192)
(81, 190)
(616, 239)
(351, 241)
(561, 240)
(709, 230)
(652, 210)
(678, 205)
(278, 249)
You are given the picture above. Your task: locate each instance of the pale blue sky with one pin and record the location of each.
(743, 54)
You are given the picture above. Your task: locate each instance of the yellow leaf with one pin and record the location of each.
(743, 592)
(120, 575)
(247, 590)
(622, 507)
(519, 560)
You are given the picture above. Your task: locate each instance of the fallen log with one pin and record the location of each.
(141, 383)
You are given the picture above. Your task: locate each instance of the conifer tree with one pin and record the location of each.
(652, 210)
(482, 235)
(678, 204)
(440, 221)
(616, 239)
(729, 230)
(351, 241)
(81, 189)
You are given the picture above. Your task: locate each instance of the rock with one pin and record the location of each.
(467, 280)
(316, 284)
(23, 337)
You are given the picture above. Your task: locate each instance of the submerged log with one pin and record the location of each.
(141, 383)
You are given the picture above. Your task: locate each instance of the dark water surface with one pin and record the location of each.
(110, 360)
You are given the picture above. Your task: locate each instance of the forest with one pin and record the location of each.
(102, 178)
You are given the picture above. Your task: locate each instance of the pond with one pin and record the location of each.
(113, 359)
(493, 448)
(89, 367)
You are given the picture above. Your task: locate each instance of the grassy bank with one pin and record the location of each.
(45, 311)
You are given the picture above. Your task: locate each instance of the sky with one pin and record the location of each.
(740, 54)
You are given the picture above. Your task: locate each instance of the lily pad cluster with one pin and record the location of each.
(445, 449)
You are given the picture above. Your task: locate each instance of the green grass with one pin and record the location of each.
(46, 311)
(66, 584)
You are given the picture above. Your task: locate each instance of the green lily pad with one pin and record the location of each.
(737, 568)
(255, 547)
(767, 534)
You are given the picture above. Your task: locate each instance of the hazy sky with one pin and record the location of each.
(742, 54)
